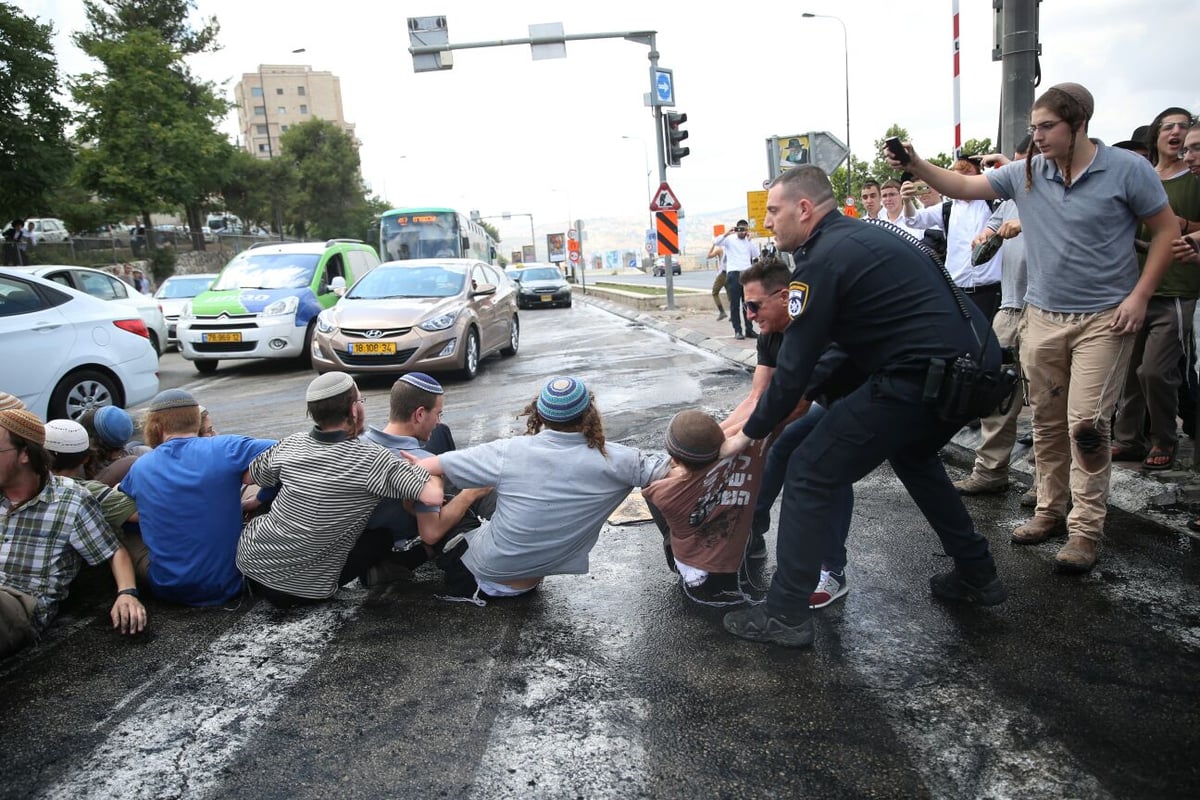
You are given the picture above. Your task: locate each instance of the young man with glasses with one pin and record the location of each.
(1079, 203)
(1154, 377)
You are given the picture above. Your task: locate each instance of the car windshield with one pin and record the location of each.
(385, 282)
(540, 274)
(179, 288)
(269, 271)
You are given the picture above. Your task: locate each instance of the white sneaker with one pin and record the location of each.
(829, 588)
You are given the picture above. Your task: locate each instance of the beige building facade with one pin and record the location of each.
(278, 96)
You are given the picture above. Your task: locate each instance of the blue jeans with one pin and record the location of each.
(841, 502)
(883, 420)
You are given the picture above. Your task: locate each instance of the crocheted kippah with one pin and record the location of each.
(694, 437)
(66, 436)
(331, 384)
(422, 381)
(171, 398)
(9, 401)
(1080, 95)
(23, 423)
(563, 399)
(113, 426)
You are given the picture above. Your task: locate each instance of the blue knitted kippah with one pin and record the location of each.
(113, 425)
(422, 381)
(563, 399)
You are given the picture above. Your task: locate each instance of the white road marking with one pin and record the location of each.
(178, 739)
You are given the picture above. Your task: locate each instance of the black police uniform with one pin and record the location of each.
(892, 310)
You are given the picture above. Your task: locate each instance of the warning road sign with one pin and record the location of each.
(664, 199)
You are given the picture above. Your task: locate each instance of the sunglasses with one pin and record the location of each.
(754, 306)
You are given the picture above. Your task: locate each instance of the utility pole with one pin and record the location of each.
(1018, 49)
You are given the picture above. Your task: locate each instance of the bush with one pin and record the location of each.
(162, 264)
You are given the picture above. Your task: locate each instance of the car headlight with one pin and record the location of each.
(325, 321)
(286, 305)
(440, 322)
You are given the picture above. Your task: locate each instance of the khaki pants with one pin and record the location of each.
(999, 431)
(138, 552)
(1153, 378)
(16, 620)
(718, 285)
(1075, 365)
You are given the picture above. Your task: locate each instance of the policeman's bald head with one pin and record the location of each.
(807, 181)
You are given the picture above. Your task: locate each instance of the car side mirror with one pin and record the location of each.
(483, 289)
(338, 285)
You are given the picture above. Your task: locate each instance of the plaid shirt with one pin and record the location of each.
(44, 542)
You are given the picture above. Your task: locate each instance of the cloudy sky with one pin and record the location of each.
(501, 132)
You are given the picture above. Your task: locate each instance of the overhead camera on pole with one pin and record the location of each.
(675, 151)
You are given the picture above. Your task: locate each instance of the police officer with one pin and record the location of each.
(900, 320)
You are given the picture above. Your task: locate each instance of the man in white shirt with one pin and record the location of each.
(740, 253)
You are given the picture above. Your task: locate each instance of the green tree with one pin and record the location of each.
(113, 19)
(977, 147)
(329, 198)
(250, 185)
(37, 157)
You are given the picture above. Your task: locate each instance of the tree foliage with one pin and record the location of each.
(34, 154)
(329, 198)
(113, 19)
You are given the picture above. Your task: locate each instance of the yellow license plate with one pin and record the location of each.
(373, 348)
(547, 298)
(223, 337)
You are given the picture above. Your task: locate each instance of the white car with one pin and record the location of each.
(174, 294)
(49, 229)
(65, 352)
(106, 286)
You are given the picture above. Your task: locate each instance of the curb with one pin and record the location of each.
(1161, 499)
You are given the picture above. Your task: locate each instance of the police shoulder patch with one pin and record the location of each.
(797, 298)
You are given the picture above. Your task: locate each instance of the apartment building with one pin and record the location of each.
(279, 96)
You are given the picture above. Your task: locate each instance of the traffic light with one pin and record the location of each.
(675, 136)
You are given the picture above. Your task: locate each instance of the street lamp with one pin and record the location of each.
(846, 53)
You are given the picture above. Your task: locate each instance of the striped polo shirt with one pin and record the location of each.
(329, 485)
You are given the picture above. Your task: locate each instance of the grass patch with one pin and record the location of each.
(637, 288)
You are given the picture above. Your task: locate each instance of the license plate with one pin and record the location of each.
(223, 337)
(373, 348)
(547, 298)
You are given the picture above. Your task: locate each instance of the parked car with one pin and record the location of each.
(540, 285)
(174, 294)
(65, 352)
(429, 315)
(264, 303)
(49, 229)
(660, 267)
(105, 286)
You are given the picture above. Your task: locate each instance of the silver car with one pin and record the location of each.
(174, 294)
(427, 315)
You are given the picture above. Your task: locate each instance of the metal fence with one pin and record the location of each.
(108, 251)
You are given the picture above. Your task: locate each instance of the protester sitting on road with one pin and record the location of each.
(416, 530)
(188, 494)
(542, 527)
(703, 506)
(206, 423)
(49, 527)
(330, 480)
(110, 429)
(69, 448)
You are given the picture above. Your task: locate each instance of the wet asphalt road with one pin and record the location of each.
(612, 685)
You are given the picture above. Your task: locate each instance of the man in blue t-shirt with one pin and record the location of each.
(188, 494)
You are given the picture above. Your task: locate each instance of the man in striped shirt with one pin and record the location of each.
(310, 542)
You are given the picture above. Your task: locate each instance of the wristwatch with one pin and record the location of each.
(130, 592)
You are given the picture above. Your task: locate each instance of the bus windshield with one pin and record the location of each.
(421, 234)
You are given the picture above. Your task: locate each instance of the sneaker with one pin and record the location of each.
(739, 335)
(829, 588)
(757, 625)
(1029, 499)
(751, 334)
(953, 585)
(973, 484)
(758, 546)
(1026, 439)
(721, 315)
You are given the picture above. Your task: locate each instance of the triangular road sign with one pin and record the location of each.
(664, 199)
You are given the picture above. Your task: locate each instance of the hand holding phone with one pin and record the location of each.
(896, 148)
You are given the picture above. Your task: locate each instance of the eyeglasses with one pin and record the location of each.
(1171, 126)
(753, 306)
(1044, 127)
